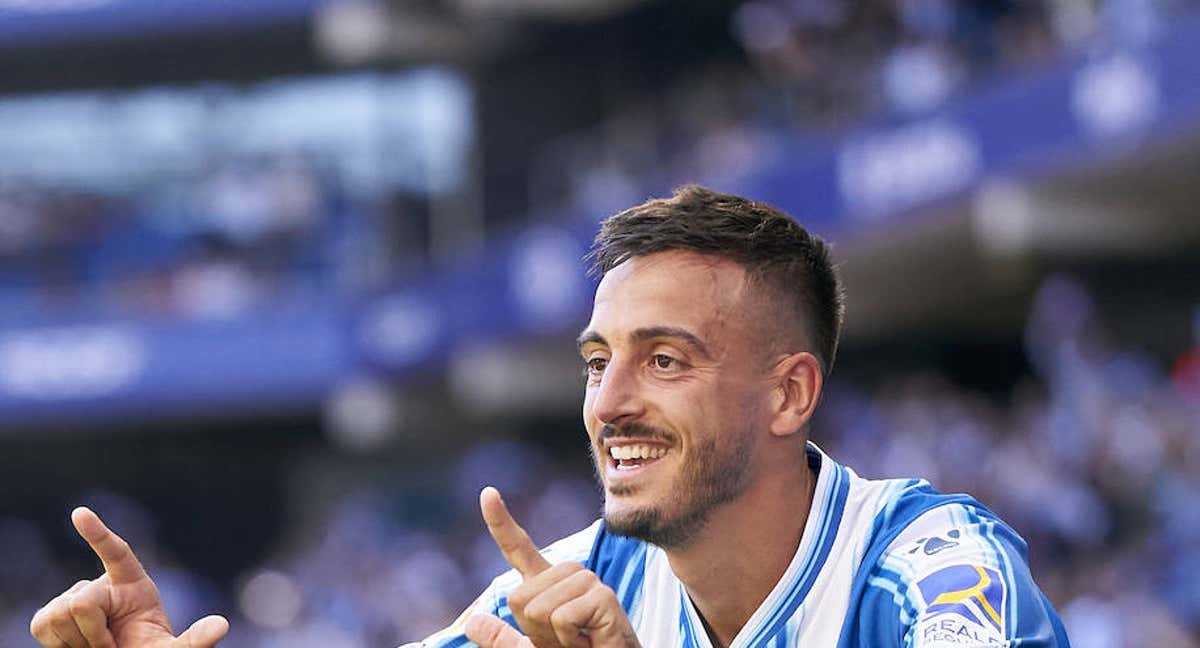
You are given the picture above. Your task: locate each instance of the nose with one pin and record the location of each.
(618, 395)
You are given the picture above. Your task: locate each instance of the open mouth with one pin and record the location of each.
(631, 457)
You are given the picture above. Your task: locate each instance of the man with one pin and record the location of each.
(714, 327)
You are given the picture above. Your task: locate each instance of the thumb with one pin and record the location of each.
(204, 633)
(489, 631)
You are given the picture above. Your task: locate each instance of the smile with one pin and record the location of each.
(630, 457)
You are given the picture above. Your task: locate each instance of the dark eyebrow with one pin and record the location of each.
(588, 337)
(685, 335)
(650, 333)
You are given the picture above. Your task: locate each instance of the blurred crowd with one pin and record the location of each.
(244, 232)
(815, 67)
(213, 245)
(837, 59)
(1094, 459)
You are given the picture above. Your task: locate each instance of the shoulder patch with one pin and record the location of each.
(972, 592)
(954, 630)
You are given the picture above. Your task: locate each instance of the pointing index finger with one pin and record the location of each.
(119, 562)
(514, 543)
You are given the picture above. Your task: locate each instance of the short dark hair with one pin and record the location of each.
(773, 248)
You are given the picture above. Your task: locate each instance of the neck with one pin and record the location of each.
(726, 582)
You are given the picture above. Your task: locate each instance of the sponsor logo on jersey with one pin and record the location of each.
(936, 543)
(950, 629)
(971, 591)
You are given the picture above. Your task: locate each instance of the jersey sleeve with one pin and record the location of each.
(489, 602)
(957, 576)
(494, 599)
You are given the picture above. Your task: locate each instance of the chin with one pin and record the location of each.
(633, 521)
(623, 501)
(653, 525)
(619, 507)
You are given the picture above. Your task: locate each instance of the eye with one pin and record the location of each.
(595, 366)
(664, 361)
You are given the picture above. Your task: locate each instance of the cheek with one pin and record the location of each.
(590, 423)
(720, 410)
(702, 407)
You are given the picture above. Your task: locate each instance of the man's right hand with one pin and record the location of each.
(559, 606)
(120, 609)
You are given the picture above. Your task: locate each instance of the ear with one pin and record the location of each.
(798, 383)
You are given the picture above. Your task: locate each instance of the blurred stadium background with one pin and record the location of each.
(284, 282)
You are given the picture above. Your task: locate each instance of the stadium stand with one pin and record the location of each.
(276, 328)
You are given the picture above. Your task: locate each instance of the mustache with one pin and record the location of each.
(635, 430)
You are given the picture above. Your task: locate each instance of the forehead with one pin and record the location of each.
(701, 293)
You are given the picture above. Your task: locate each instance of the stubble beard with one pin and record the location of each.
(710, 477)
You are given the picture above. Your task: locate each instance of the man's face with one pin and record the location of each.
(676, 391)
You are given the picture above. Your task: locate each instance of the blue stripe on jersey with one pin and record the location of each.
(686, 631)
(612, 556)
(896, 583)
(780, 638)
(1010, 582)
(885, 513)
(505, 613)
(830, 521)
(631, 582)
(620, 563)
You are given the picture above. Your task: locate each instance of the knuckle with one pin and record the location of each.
(602, 593)
(61, 616)
(37, 626)
(587, 576)
(43, 635)
(519, 598)
(561, 618)
(43, 616)
(568, 568)
(54, 609)
(538, 610)
(495, 634)
(77, 604)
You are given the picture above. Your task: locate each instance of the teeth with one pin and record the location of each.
(636, 452)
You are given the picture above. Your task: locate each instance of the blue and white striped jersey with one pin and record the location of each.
(881, 564)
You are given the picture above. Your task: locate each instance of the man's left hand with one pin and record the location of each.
(559, 606)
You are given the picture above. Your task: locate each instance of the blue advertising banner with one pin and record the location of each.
(112, 370)
(25, 22)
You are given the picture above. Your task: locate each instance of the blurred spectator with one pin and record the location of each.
(244, 235)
